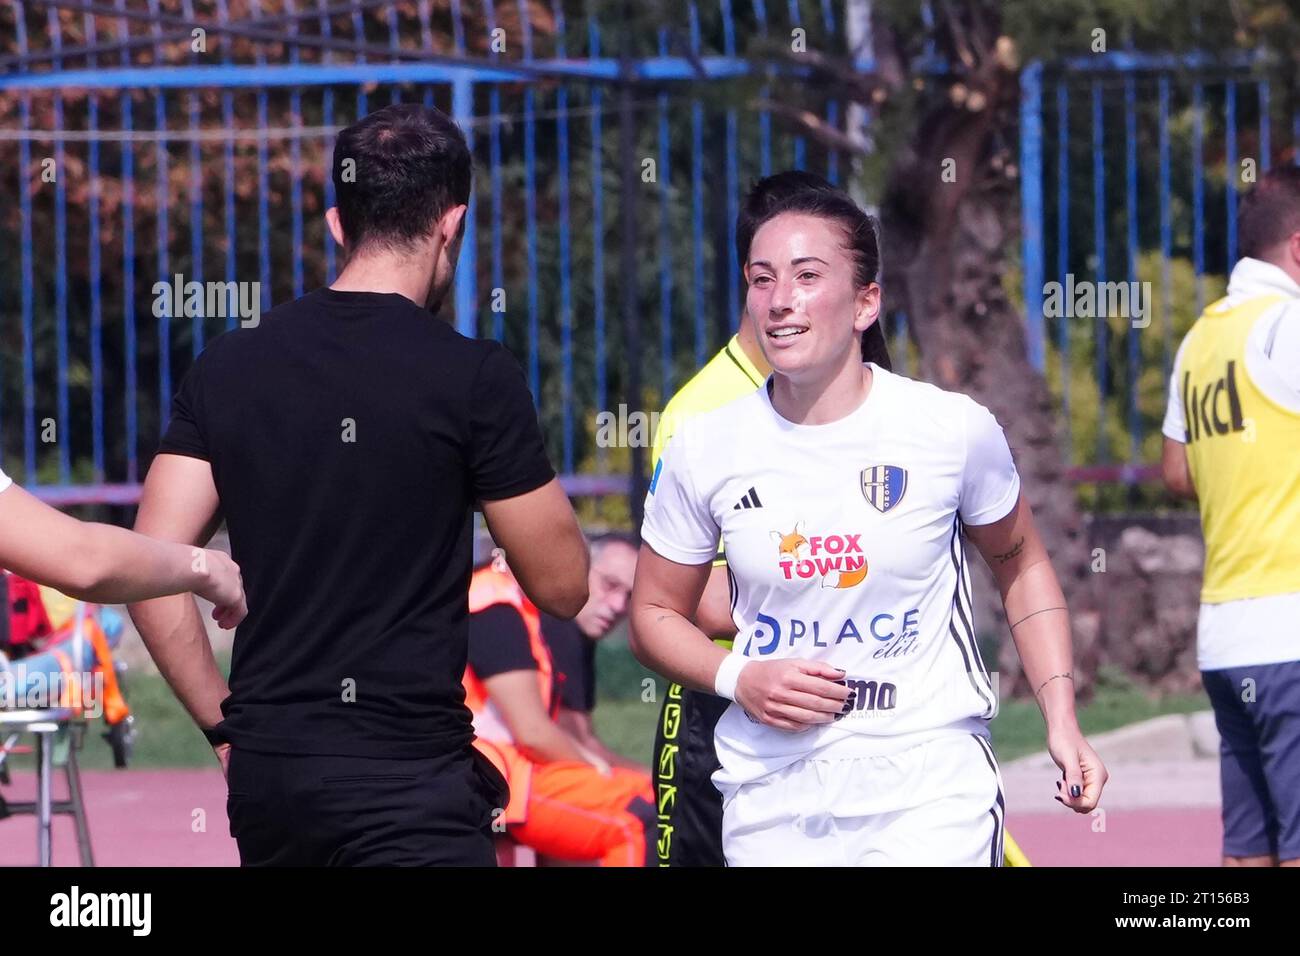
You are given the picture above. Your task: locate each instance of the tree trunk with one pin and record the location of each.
(947, 246)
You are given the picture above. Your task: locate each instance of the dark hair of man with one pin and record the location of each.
(1270, 213)
(397, 171)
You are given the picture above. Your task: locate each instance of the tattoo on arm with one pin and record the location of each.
(1044, 610)
(1006, 556)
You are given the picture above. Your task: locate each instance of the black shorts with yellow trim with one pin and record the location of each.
(689, 807)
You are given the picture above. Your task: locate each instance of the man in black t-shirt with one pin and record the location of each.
(345, 441)
(573, 643)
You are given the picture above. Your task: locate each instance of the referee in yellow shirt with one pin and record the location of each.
(689, 807)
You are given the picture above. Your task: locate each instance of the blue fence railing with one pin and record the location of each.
(1131, 169)
(210, 165)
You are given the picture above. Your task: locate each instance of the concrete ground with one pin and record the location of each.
(1160, 806)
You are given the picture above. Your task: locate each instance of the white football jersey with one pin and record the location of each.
(844, 545)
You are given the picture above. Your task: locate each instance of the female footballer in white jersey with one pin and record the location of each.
(100, 563)
(859, 729)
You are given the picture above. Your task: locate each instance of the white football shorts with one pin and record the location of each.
(939, 803)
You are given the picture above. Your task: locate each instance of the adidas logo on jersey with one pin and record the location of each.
(749, 501)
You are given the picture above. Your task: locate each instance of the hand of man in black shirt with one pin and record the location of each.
(544, 546)
(179, 503)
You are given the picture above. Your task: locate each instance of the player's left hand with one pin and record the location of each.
(1083, 775)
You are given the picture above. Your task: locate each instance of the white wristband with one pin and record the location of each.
(724, 683)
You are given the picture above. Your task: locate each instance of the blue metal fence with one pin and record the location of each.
(1119, 141)
(212, 164)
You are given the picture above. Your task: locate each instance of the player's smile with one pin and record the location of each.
(783, 334)
(799, 276)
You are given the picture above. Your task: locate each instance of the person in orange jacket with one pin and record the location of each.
(566, 801)
(573, 643)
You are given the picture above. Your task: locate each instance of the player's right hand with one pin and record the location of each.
(791, 695)
(224, 587)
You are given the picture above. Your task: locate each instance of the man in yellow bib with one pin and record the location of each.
(1232, 442)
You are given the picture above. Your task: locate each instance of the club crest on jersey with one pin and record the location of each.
(837, 559)
(884, 486)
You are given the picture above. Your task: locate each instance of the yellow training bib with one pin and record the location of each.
(1243, 450)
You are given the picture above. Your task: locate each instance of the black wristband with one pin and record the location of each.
(215, 737)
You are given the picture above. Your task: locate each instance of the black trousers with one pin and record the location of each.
(689, 831)
(310, 810)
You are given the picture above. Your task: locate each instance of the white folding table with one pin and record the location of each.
(45, 725)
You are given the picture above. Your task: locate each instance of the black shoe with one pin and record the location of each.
(121, 739)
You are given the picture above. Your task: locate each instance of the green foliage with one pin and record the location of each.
(1048, 29)
(619, 675)
(1018, 729)
(682, 320)
(1101, 420)
(628, 727)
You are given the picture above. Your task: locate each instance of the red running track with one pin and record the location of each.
(178, 818)
(137, 818)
